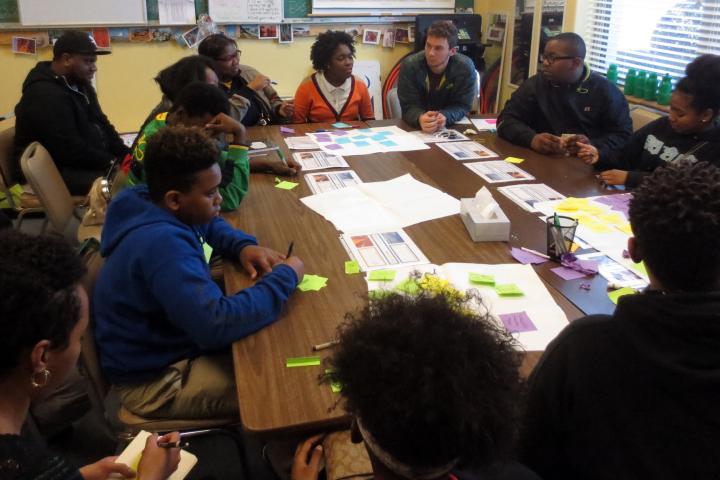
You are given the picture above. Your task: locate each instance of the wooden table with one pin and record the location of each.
(275, 400)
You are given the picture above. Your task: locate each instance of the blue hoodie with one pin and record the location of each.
(155, 302)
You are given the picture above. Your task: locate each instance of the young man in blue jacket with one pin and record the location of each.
(566, 97)
(437, 86)
(163, 327)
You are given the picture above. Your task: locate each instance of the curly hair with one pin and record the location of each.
(324, 47)
(675, 217)
(200, 98)
(174, 156)
(187, 70)
(702, 83)
(444, 29)
(214, 45)
(39, 276)
(430, 380)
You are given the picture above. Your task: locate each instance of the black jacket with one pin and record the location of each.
(69, 123)
(634, 395)
(592, 106)
(657, 144)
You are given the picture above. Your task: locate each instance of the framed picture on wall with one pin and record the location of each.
(495, 33)
(371, 36)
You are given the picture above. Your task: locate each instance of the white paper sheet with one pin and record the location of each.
(447, 135)
(367, 141)
(545, 314)
(301, 143)
(132, 453)
(467, 150)
(463, 121)
(329, 181)
(383, 206)
(485, 124)
(498, 171)
(376, 251)
(527, 196)
(176, 12)
(319, 161)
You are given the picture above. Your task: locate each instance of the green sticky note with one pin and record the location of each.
(285, 185)
(302, 362)
(335, 387)
(409, 286)
(312, 282)
(481, 278)
(640, 268)
(514, 160)
(352, 266)
(381, 275)
(207, 250)
(621, 292)
(509, 290)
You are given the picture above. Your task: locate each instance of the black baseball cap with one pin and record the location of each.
(77, 42)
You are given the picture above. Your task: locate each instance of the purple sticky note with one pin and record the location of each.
(526, 257)
(323, 138)
(567, 273)
(619, 203)
(287, 130)
(333, 146)
(339, 132)
(517, 322)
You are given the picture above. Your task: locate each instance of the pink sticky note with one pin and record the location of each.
(491, 121)
(333, 146)
(526, 257)
(517, 322)
(567, 273)
(287, 130)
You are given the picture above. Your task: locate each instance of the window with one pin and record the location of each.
(660, 36)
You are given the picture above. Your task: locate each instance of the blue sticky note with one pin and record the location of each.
(361, 143)
(341, 125)
(360, 137)
(389, 143)
(365, 130)
(378, 137)
(342, 140)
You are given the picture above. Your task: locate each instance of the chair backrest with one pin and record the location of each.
(8, 166)
(44, 178)
(393, 104)
(476, 100)
(642, 116)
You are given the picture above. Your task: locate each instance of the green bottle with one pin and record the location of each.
(630, 80)
(651, 87)
(665, 90)
(639, 90)
(612, 73)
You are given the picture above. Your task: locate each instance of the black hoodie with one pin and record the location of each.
(635, 395)
(657, 144)
(70, 124)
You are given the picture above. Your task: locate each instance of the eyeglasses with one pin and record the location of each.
(550, 59)
(230, 58)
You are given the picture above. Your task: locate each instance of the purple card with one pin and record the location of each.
(517, 322)
(567, 273)
(339, 132)
(333, 146)
(323, 138)
(620, 202)
(287, 130)
(526, 257)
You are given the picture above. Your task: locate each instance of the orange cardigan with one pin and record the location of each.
(312, 106)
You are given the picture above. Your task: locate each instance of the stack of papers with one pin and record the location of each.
(382, 206)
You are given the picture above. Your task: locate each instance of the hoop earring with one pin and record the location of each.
(43, 381)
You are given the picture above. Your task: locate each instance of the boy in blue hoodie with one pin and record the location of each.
(163, 327)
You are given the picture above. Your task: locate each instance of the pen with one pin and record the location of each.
(183, 436)
(323, 346)
(534, 252)
(282, 156)
(289, 252)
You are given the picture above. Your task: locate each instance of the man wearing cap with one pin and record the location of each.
(59, 108)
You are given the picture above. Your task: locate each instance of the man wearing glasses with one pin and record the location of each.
(566, 104)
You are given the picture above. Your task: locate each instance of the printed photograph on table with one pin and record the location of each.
(327, 182)
(248, 31)
(371, 36)
(24, 46)
(268, 31)
(467, 150)
(498, 171)
(286, 33)
(382, 250)
(319, 160)
(527, 196)
(615, 273)
(300, 143)
(447, 135)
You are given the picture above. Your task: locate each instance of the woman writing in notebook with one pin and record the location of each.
(43, 314)
(332, 93)
(691, 133)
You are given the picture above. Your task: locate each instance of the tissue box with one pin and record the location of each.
(493, 229)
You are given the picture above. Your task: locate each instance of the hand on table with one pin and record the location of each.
(587, 153)
(254, 258)
(277, 167)
(546, 143)
(302, 469)
(614, 177)
(431, 122)
(572, 144)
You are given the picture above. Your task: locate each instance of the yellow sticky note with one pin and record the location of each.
(599, 228)
(352, 266)
(514, 160)
(409, 286)
(621, 292)
(207, 250)
(625, 228)
(285, 185)
(611, 218)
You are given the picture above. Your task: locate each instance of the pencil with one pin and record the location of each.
(290, 249)
(323, 346)
(534, 252)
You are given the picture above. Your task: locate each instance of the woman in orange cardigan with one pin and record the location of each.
(332, 94)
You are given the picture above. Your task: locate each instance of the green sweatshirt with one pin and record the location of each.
(234, 164)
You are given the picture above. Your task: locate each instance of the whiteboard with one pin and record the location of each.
(246, 11)
(405, 6)
(82, 12)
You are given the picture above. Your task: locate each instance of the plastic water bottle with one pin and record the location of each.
(665, 90)
(630, 80)
(651, 87)
(612, 73)
(640, 84)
